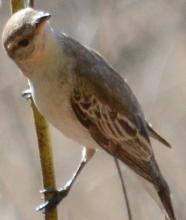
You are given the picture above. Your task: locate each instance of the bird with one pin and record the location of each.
(82, 96)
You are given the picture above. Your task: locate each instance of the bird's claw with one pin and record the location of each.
(57, 197)
(27, 94)
(47, 190)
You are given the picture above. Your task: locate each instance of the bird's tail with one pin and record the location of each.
(160, 193)
(165, 197)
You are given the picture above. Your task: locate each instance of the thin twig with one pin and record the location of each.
(43, 136)
(123, 189)
(30, 3)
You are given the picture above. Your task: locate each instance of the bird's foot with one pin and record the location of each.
(27, 94)
(57, 197)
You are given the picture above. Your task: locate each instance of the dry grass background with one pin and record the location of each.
(146, 42)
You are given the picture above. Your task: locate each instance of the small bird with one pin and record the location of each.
(81, 95)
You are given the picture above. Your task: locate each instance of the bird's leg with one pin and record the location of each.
(59, 195)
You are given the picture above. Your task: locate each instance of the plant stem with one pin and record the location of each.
(45, 152)
(16, 5)
(43, 136)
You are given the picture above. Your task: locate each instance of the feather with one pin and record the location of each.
(155, 196)
(104, 103)
(156, 136)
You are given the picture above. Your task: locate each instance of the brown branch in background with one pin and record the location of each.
(123, 189)
(43, 136)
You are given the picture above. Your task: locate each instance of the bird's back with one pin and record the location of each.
(106, 106)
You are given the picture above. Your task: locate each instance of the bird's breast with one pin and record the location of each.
(55, 104)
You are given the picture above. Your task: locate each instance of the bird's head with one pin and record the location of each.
(23, 33)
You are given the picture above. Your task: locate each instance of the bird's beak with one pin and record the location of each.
(41, 19)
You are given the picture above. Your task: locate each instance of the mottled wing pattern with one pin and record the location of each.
(113, 131)
(111, 124)
(106, 106)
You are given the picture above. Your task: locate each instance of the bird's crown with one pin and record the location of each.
(21, 27)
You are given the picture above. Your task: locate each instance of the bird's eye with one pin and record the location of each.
(23, 43)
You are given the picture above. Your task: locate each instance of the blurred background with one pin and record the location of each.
(145, 41)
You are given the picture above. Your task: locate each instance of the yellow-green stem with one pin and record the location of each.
(16, 5)
(45, 152)
(44, 141)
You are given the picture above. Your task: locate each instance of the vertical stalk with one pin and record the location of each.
(45, 152)
(16, 5)
(43, 136)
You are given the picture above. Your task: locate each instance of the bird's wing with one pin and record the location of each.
(112, 124)
(157, 136)
(106, 106)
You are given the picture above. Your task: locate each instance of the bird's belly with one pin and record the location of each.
(61, 115)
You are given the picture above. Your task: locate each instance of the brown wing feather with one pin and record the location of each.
(157, 136)
(103, 98)
(113, 131)
(129, 148)
(106, 106)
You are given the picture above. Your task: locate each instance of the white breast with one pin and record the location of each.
(54, 103)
